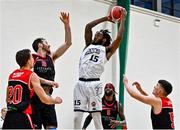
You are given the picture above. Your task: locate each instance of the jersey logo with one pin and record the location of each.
(93, 104)
(92, 50)
(43, 63)
(18, 74)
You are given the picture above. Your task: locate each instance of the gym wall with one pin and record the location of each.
(153, 54)
(24, 21)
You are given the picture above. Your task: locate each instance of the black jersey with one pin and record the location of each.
(20, 93)
(109, 112)
(43, 113)
(164, 119)
(44, 67)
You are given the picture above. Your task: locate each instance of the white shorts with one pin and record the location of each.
(88, 96)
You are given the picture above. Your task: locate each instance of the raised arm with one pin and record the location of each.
(88, 29)
(139, 88)
(150, 100)
(115, 44)
(35, 84)
(64, 17)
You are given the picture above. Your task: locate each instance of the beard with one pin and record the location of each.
(97, 42)
(108, 92)
(47, 50)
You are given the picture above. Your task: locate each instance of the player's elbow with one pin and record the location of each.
(69, 44)
(88, 27)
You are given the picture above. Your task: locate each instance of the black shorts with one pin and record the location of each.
(17, 120)
(44, 115)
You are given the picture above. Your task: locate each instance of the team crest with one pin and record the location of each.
(44, 64)
(93, 104)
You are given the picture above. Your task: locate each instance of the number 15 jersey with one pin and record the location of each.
(92, 62)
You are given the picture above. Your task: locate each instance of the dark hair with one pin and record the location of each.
(107, 36)
(36, 43)
(113, 88)
(22, 57)
(166, 85)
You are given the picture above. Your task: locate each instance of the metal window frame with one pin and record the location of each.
(157, 6)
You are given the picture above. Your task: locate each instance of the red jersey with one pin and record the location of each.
(20, 93)
(164, 119)
(109, 112)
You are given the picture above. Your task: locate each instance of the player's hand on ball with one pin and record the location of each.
(124, 13)
(110, 18)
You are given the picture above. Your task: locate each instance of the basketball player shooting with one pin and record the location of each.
(97, 51)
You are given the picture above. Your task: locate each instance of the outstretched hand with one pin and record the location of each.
(114, 123)
(58, 100)
(53, 84)
(138, 86)
(64, 17)
(125, 79)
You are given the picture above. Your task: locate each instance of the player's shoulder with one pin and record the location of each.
(35, 55)
(34, 76)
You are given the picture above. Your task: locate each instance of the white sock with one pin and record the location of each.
(97, 120)
(77, 120)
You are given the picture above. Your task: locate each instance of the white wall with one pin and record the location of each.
(0, 47)
(23, 21)
(153, 54)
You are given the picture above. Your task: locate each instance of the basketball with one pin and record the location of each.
(116, 13)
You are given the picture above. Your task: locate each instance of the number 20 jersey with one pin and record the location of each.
(20, 92)
(92, 61)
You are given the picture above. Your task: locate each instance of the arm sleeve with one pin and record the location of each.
(87, 121)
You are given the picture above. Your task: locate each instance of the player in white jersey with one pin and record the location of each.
(92, 62)
(88, 89)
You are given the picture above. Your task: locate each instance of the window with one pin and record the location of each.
(177, 8)
(170, 7)
(167, 7)
(143, 3)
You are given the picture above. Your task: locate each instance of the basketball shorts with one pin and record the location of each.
(17, 120)
(44, 115)
(87, 96)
